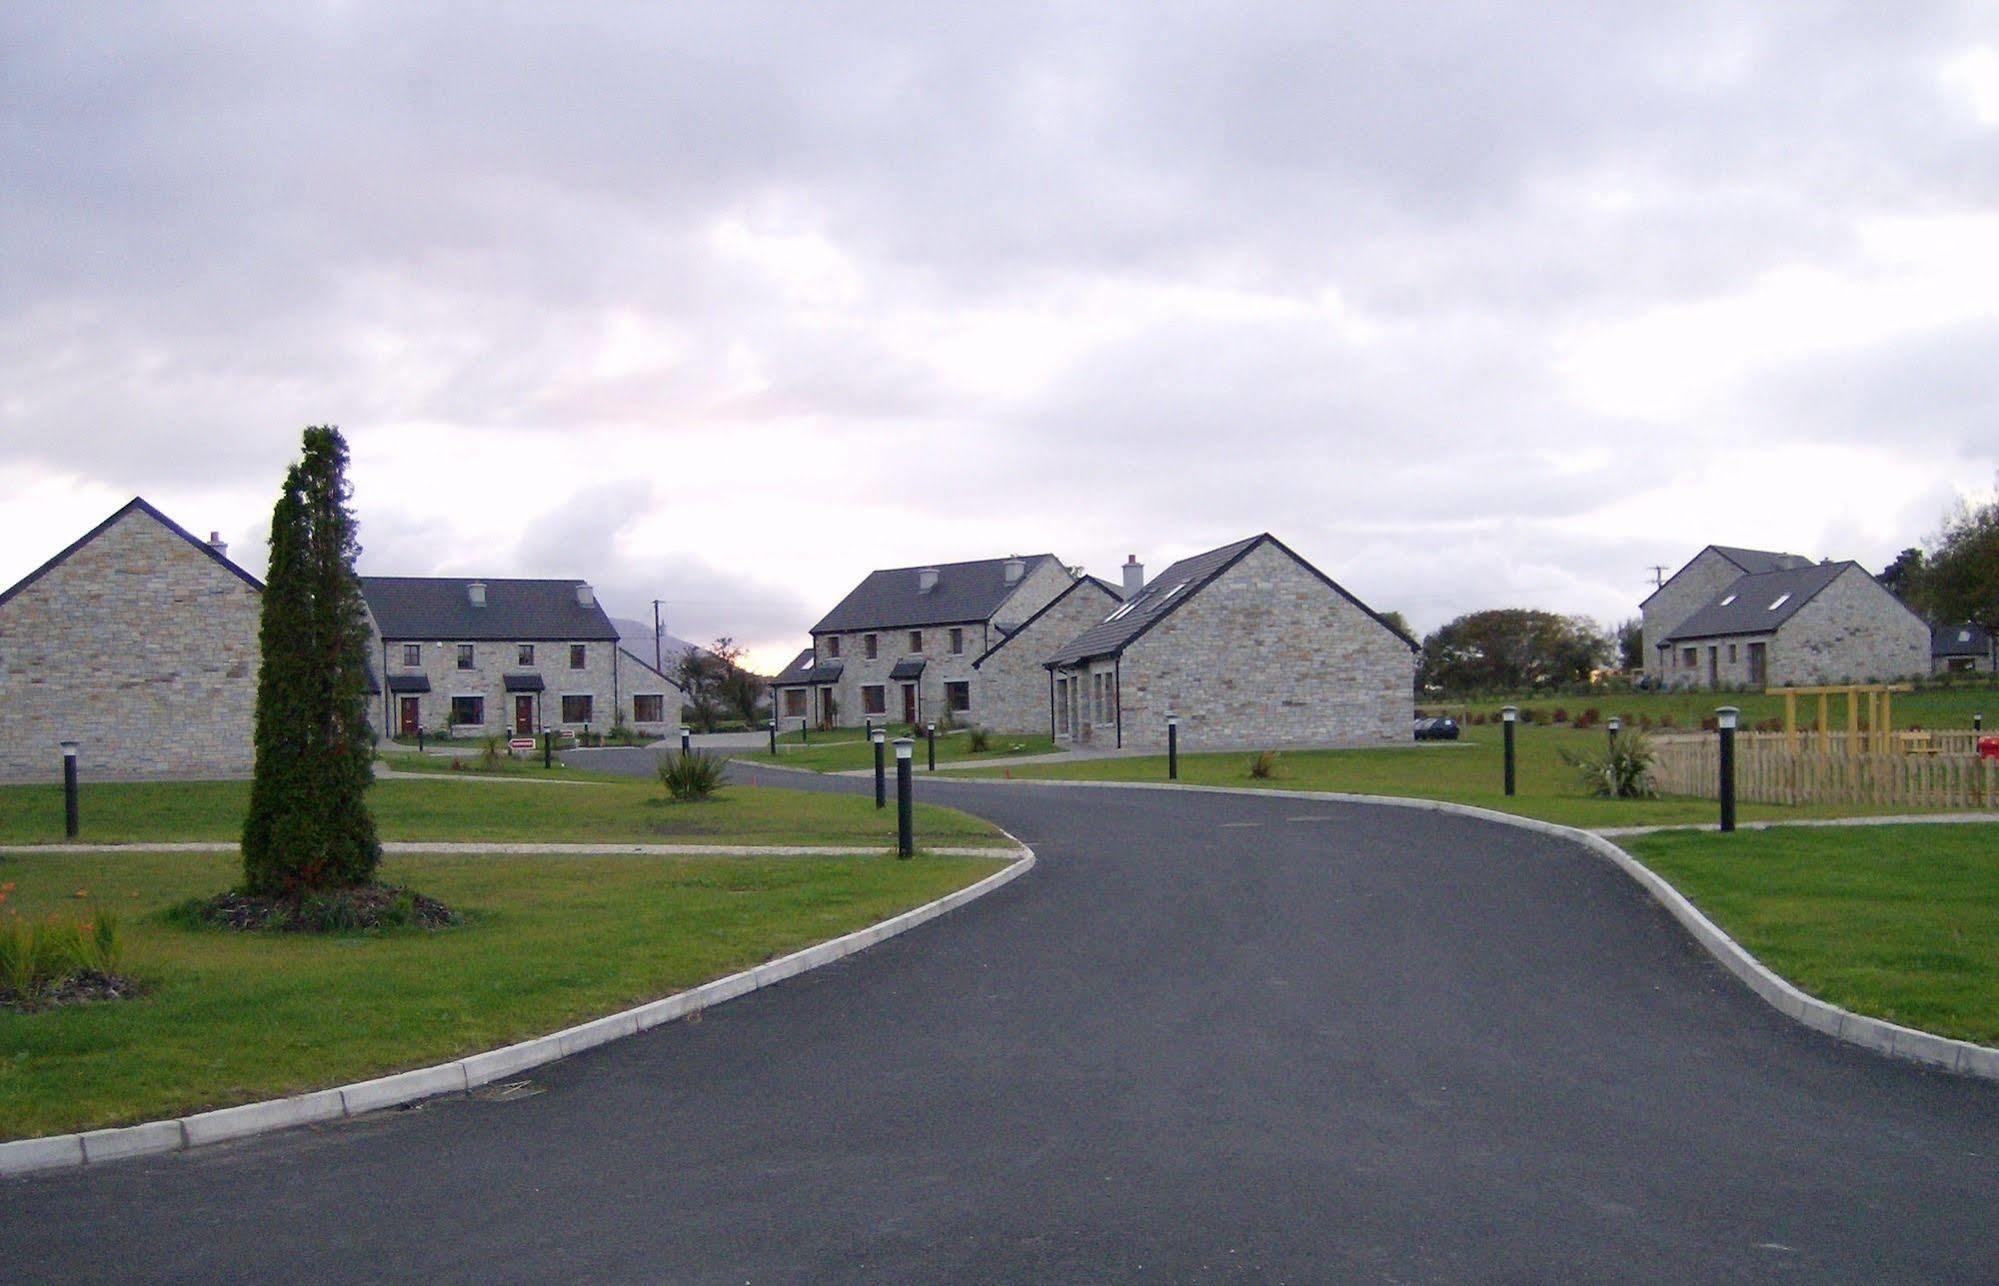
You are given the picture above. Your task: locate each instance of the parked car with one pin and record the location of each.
(1440, 729)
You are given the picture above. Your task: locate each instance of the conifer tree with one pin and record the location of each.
(309, 827)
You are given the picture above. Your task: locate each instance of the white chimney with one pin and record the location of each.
(1015, 569)
(476, 591)
(1134, 576)
(926, 579)
(585, 596)
(216, 543)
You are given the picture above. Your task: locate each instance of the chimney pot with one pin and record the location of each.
(1016, 567)
(926, 580)
(476, 592)
(585, 596)
(1134, 576)
(219, 545)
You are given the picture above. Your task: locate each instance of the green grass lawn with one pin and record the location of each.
(234, 1017)
(851, 752)
(1933, 707)
(616, 810)
(1469, 771)
(1899, 922)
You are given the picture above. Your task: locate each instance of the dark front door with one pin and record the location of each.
(406, 717)
(1714, 668)
(909, 703)
(1758, 661)
(523, 716)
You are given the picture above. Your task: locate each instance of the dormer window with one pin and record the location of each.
(1780, 600)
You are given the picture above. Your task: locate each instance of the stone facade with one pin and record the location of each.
(1267, 654)
(139, 646)
(1852, 631)
(1012, 693)
(942, 664)
(608, 680)
(1687, 592)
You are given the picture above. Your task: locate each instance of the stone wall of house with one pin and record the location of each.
(1690, 589)
(1012, 690)
(139, 647)
(1731, 662)
(1267, 655)
(1036, 590)
(609, 680)
(1852, 631)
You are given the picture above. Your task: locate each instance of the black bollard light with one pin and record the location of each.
(1725, 718)
(547, 748)
(1613, 725)
(1507, 716)
(686, 742)
(930, 736)
(69, 789)
(773, 738)
(881, 769)
(905, 811)
(1173, 747)
(419, 738)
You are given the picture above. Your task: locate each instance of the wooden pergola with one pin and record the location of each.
(1879, 697)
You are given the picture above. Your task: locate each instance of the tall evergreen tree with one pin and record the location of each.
(309, 825)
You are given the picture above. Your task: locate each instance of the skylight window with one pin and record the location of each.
(1780, 600)
(1121, 611)
(1726, 601)
(1964, 636)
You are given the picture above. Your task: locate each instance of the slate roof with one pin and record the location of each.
(138, 503)
(438, 607)
(406, 682)
(1744, 607)
(965, 592)
(1164, 593)
(1008, 636)
(1757, 562)
(801, 672)
(1961, 638)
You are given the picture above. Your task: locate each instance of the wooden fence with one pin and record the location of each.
(1937, 774)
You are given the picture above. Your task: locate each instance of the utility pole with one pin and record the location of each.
(657, 627)
(1658, 576)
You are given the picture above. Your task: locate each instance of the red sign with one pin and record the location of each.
(1988, 747)
(521, 743)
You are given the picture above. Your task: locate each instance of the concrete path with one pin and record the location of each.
(1209, 1036)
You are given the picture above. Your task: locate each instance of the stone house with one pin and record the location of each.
(138, 642)
(900, 646)
(1797, 622)
(1962, 648)
(1011, 690)
(1705, 578)
(1249, 645)
(507, 657)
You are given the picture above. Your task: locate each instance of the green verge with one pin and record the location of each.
(614, 810)
(1937, 706)
(1469, 771)
(1897, 922)
(849, 753)
(548, 941)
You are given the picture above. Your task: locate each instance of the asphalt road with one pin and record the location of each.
(1207, 1037)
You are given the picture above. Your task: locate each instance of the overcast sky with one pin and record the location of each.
(1473, 305)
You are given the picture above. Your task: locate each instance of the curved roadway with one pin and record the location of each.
(1207, 1036)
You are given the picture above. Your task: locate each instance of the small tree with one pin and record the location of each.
(308, 826)
(1959, 580)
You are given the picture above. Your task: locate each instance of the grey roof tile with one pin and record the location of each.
(1759, 603)
(964, 592)
(439, 607)
(1960, 638)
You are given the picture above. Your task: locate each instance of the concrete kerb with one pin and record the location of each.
(1874, 1034)
(61, 1151)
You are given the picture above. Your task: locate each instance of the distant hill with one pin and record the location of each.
(636, 637)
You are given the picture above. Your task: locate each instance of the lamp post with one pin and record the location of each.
(1725, 718)
(1507, 717)
(69, 789)
(930, 736)
(1173, 747)
(881, 769)
(905, 840)
(1614, 725)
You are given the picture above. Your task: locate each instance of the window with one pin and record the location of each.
(575, 709)
(579, 656)
(957, 642)
(413, 655)
(468, 710)
(868, 645)
(527, 654)
(465, 656)
(1958, 665)
(794, 703)
(1726, 601)
(832, 647)
(1688, 657)
(1780, 600)
(915, 641)
(1061, 705)
(649, 707)
(958, 696)
(1731, 654)
(874, 698)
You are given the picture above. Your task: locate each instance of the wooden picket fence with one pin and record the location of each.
(1934, 774)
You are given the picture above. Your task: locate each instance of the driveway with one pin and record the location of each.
(1207, 1036)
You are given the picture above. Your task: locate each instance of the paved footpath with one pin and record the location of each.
(1209, 1036)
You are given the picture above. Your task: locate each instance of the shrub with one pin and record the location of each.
(1264, 766)
(56, 959)
(978, 740)
(1589, 718)
(1560, 715)
(690, 777)
(1622, 771)
(489, 753)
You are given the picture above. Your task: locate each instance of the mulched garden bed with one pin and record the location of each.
(367, 906)
(86, 984)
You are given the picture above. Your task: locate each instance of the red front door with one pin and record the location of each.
(523, 716)
(406, 718)
(909, 703)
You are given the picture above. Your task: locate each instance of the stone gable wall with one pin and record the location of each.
(1690, 589)
(139, 647)
(1267, 655)
(1853, 630)
(1011, 693)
